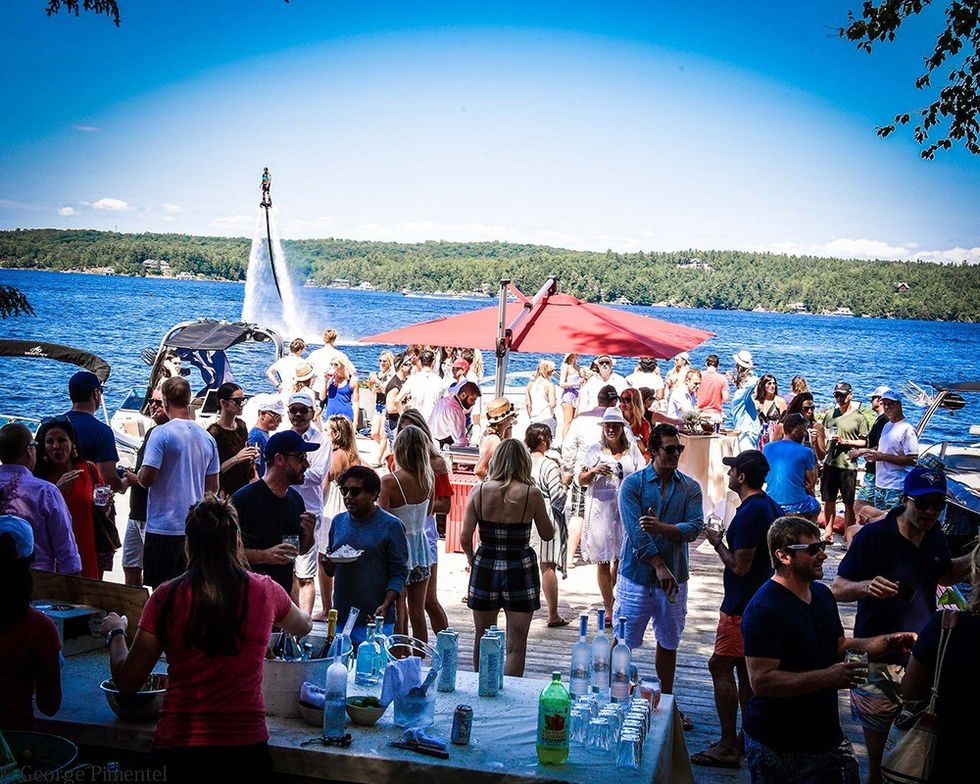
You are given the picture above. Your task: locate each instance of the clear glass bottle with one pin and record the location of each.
(622, 661)
(335, 698)
(578, 682)
(599, 681)
(366, 668)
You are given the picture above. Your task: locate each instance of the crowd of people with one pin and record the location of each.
(234, 526)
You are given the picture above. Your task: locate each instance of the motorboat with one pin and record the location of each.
(959, 460)
(126, 445)
(197, 350)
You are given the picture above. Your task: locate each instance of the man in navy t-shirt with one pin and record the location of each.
(94, 439)
(794, 644)
(891, 570)
(746, 568)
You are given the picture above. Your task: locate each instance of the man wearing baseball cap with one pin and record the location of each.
(845, 428)
(867, 494)
(270, 509)
(94, 439)
(897, 452)
(270, 413)
(891, 570)
(742, 549)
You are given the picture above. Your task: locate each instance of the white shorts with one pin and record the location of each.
(304, 567)
(133, 544)
(644, 603)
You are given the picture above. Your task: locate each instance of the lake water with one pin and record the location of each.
(116, 317)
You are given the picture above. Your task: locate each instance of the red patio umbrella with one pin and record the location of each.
(557, 324)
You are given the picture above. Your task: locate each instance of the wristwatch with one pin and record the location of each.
(111, 634)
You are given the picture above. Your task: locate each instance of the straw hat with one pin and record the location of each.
(744, 359)
(498, 410)
(304, 371)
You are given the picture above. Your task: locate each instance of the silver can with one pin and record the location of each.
(462, 725)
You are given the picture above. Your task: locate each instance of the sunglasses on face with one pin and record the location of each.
(841, 395)
(353, 492)
(673, 449)
(156, 404)
(238, 401)
(929, 502)
(808, 408)
(811, 549)
(299, 411)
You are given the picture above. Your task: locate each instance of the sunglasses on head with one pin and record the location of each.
(353, 492)
(929, 502)
(673, 449)
(811, 549)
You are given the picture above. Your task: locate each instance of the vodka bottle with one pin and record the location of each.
(334, 698)
(489, 665)
(599, 682)
(381, 641)
(622, 660)
(578, 681)
(447, 645)
(366, 669)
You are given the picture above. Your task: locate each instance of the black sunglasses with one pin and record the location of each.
(811, 549)
(929, 502)
(238, 401)
(808, 408)
(673, 449)
(353, 492)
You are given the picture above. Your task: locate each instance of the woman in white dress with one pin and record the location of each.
(539, 399)
(601, 471)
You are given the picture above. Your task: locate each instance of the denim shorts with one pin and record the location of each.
(642, 604)
(132, 557)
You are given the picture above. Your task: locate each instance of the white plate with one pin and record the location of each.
(344, 559)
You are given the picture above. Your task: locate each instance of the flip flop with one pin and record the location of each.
(705, 760)
(686, 723)
(559, 622)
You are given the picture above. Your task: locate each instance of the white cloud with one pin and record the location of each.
(110, 205)
(235, 222)
(168, 219)
(172, 209)
(66, 211)
(846, 248)
(86, 128)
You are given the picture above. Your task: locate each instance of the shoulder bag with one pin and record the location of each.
(910, 761)
(106, 535)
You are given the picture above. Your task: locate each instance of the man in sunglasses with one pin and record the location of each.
(604, 375)
(270, 510)
(794, 646)
(867, 495)
(230, 433)
(845, 428)
(662, 513)
(891, 570)
(896, 453)
(373, 581)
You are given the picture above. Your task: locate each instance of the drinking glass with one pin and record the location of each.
(716, 524)
(635, 725)
(577, 725)
(629, 751)
(615, 715)
(852, 655)
(599, 739)
(294, 541)
(589, 706)
(101, 495)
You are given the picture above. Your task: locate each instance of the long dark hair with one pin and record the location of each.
(16, 583)
(43, 466)
(217, 576)
(796, 407)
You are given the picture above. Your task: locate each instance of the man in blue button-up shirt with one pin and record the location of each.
(661, 512)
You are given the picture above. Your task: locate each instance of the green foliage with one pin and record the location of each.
(13, 302)
(958, 47)
(108, 7)
(728, 280)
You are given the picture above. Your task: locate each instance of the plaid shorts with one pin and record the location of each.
(768, 766)
(508, 581)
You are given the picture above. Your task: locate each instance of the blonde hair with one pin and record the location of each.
(345, 435)
(511, 462)
(413, 418)
(388, 357)
(412, 454)
(545, 368)
(329, 336)
(476, 366)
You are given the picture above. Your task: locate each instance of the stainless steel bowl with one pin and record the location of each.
(144, 705)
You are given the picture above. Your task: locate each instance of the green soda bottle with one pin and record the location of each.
(554, 705)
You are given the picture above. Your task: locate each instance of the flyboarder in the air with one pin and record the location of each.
(266, 185)
(266, 204)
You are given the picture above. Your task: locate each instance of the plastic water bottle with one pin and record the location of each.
(578, 681)
(622, 661)
(366, 669)
(447, 645)
(335, 697)
(599, 682)
(489, 665)
(554, 705)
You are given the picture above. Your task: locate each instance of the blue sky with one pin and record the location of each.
(652, 126)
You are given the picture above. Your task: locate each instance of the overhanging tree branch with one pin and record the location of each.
(954, 116)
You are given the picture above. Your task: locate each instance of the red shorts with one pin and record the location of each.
(728, 638)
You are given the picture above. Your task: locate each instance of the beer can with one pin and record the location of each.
(462, 725)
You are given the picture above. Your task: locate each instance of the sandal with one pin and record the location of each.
(556, 624)
(706, 760)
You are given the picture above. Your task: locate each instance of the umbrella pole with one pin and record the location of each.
(502, 347)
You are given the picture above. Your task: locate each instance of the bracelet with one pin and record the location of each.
(114, 633)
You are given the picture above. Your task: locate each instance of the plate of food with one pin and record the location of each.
(345, 554)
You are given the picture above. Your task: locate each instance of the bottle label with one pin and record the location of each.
(620, 686)
(579, 681)
(552, 727)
